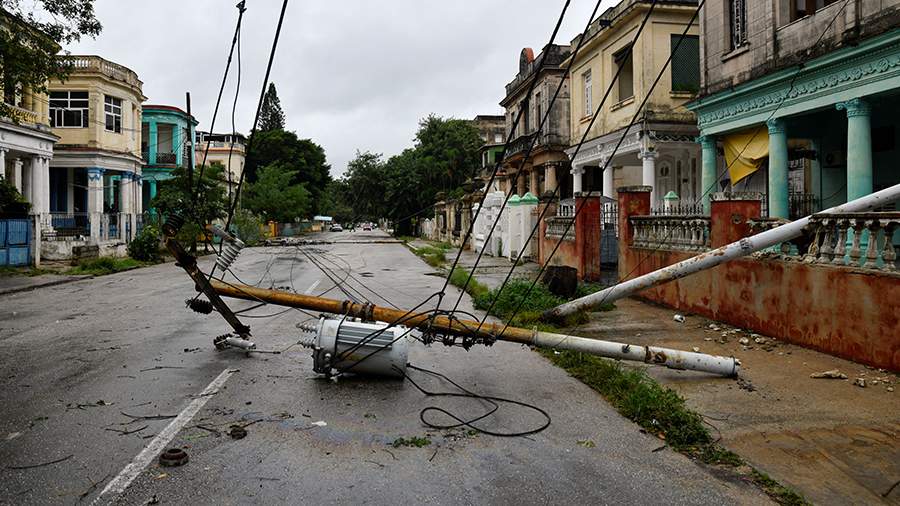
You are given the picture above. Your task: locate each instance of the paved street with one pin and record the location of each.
(78, 359)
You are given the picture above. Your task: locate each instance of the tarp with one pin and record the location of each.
(745, 151)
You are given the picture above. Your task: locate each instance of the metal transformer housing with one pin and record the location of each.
(383, 352)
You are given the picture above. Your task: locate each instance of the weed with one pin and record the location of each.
(475, 288)
(513, 294)
(104, 265)
(777, 491)
(415, 441)
(24, 271)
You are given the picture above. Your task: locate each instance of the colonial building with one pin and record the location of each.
(167, 133)
(95, 174)
(659, 149)
(492, 130)
(548, 157)
(227, 149)
(801, 98)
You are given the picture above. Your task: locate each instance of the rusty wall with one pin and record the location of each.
(566, 254)
(844, 311)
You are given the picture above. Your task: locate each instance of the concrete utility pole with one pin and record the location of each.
(717, 256)
(189, 143)
(675, 359)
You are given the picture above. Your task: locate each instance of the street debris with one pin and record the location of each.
(860, 382)
(414, 441)
(173, 457)
(153, 500)
(147, 417)
(587, 443)
(695, 349)
(126, 432)
(237, 432)
(320, 423)
(678, 318)
(161, 367)
(42, 464)
(97, 404)
(745, 384)
(832, 374)
(744, 341)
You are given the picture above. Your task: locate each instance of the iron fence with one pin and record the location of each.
(67, 225)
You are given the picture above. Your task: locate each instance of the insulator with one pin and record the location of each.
(230, 252)
(173, 223)
(200, 305)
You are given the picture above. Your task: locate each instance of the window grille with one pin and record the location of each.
(738, 21)
(686, 63)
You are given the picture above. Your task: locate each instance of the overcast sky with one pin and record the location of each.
(351, 74)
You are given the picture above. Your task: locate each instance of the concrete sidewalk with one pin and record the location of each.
(19, 283)
(830, 439)
(491, 270)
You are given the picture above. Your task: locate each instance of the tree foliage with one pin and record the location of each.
(11, 201)
(31, 33)
(303, 157)
(271, 117)
(276, 196)
(404, 186)
(206, 206)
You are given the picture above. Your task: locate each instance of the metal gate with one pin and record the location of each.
(15, 241)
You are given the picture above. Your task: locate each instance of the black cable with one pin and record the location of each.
(527, 154)
(262, 95)
(468, 394)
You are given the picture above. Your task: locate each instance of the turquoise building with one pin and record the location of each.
(167, 135)
(800, 104)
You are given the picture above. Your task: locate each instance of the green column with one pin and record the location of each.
(151, 143)
(778, 170)
(708, 167)
(859, 147)
(176, 143)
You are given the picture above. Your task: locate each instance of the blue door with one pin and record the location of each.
(15, 241)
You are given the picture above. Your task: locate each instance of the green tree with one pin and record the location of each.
(200, 209)
(275, 196)
(366, 185)
(448, 149)
(11, 201)
(271, 117)
(336, 201)
(303, 157)
(31, 34)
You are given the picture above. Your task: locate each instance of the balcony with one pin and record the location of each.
(521, 143)
(105, 67)
(165, 158)
(22, 115)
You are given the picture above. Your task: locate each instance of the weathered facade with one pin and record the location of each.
(659, 149)
(166, 135)
(95, 173)
(800, 97)
(547, 158)
(228, 149)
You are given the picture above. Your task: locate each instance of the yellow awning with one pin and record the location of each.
(745, 152)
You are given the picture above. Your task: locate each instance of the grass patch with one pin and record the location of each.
(434, 257)
(25, 271)
(105, 265)
(475, 288)
(777, 491)
(415, 441)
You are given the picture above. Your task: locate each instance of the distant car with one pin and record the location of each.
(367, 227)
(336, 228)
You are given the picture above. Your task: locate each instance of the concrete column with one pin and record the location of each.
(859, 147)
(520, 184)
(778, 170)
(138, 195)
(648, 171)
(17, 176)
(27, 180)
(535, 183)
(3, 163)
(708, 176)
(608, 189)
(37, 185)
(176, 143)
(70, 190)
(577, 174)
(125, 206)
(95, 201)
(152, 143)
(44, 169)
(550, 177)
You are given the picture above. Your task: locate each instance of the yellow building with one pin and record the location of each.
(659, 149)
(94, 190)
(227, 149)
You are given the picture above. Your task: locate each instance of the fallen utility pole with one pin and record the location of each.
(426, 321)
(717, 256)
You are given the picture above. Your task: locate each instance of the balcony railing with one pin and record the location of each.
(164, 158)
(566, 208)
(830, 243)
(22, 114)
(67, 225)
(673, 232)
(108, 68)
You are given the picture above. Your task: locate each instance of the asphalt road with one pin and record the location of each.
(88, 367)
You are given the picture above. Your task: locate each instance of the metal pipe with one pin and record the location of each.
(715, 257)
(675, 359)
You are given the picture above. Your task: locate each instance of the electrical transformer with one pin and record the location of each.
(348, 345)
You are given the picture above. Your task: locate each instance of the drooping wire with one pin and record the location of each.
(527, 155)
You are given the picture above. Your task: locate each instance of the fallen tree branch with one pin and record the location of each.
(42, 464)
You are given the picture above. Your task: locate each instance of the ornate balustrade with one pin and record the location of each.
(856, 239)
(557, 227)
(674, 232)
(566, 208)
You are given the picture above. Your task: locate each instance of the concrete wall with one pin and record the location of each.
(775, 42)
(839, 310)
(650, 53)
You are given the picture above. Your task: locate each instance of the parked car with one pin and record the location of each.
(336, 228)
(367, 227)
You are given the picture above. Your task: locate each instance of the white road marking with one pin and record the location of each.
(132, 470)
(312, 287)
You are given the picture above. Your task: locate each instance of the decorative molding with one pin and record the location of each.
(706, 141)
(95, 173)
(855, 107)
(776, 126)
(848, 72)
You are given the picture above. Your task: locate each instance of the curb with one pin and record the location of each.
(45, 285)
